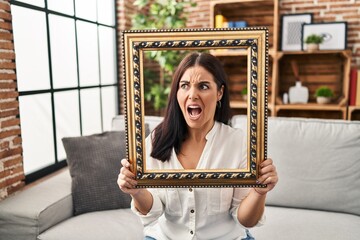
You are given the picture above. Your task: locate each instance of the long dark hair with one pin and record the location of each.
(173, 130)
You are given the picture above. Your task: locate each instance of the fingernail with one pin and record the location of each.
(257, 182)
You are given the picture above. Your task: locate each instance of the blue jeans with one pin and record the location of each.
(248, 235)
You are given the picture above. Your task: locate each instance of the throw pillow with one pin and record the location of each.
(94, 164)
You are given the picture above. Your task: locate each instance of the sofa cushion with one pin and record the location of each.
(26, 213)
(94, 164)
(299, 224)
(318, 163)
(105, 225)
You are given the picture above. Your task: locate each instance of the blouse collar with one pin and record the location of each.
(212, 132)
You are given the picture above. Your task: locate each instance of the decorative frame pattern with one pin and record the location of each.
(255, 43)
(334, 34)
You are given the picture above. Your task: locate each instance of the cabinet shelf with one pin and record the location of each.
(226, 52)
(317, 68)
(236, 52)
(311, 106)
(312, 110)
(243, 105)
(354, 113)
(254, 12)
(238, 104)
(343, 52)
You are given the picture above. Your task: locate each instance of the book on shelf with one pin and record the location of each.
(220, 21)
(237, 24)
(357, 102)
(353, 87)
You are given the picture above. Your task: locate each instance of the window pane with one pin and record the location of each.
(63, 6)
(107, 55)
(36, 132)
(106, 12)
(63, 51)
(86, 9)
(109, 106)
(90, 111)
(67, 118)
(88, 53)
(32, 59)
(39, 3)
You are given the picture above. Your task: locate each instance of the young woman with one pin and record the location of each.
(195, 135)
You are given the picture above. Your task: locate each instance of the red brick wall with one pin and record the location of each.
(199, 16)
(11, 167)
(125, 9)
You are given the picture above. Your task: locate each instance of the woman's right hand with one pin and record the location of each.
(126, 179)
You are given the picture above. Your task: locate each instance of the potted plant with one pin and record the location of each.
(323, 95)
(160, 15)
(312, 42)
(244, 93)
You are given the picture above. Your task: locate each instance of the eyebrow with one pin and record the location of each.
(201, 81)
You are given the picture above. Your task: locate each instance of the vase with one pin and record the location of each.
(298, 93)
(311, 47)
(323, 100)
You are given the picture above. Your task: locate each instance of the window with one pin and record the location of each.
(67, 75)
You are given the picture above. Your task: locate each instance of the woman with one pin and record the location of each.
(195, 135)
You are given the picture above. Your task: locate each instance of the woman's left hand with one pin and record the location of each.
(268, 175)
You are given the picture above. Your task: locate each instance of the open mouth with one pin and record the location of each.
(194, 111)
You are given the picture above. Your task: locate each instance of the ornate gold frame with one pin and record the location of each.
(254, 42)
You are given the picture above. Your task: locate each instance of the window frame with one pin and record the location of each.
(60, 163)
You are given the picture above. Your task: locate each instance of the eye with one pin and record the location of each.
(204, 86)
(184, 85)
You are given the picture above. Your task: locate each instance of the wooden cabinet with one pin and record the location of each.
(315, 69)
(330, 68)
(354, 113)
(254, 13)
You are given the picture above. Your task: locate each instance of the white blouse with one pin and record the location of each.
(199, 213)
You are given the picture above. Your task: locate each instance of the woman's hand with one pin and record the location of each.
(252, 207)
(126, 179)
(268, 175)
(142, 198)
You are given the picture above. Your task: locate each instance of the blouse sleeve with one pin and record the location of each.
(158, 195)
(156, 210)
(241, 193)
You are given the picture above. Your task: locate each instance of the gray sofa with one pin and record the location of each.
(317, 197)
(318, 193)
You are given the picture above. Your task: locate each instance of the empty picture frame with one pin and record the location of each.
(334, 34)
(253, 43)
(291, 26)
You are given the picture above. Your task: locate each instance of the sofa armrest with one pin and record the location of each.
(28, 213)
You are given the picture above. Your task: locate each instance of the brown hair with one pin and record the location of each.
(173, 130)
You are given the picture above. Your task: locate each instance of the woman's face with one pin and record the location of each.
(197, 96)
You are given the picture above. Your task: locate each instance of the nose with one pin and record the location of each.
(193, 93)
